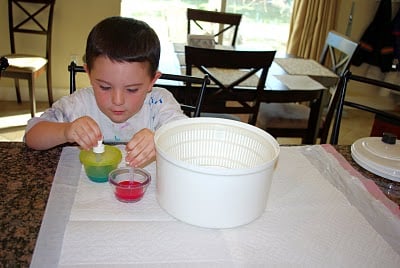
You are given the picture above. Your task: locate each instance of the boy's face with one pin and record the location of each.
(120, 87)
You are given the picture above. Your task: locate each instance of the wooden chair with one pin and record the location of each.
(180, 88)
(293, 122)
(26, 18)
(384, 121)
(224, 20)
(237, 68)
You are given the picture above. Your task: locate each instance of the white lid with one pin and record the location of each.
(99, 149)
(380, 158)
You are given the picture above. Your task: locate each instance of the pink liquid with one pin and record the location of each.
(126, 194)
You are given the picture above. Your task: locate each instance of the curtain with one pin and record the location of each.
(310, 23)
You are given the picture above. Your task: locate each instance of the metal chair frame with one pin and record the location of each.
(390, 117)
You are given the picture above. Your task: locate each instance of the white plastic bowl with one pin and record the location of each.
(214, 172)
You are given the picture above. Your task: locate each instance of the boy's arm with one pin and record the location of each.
(45, 134)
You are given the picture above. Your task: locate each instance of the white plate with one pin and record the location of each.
(378, 157)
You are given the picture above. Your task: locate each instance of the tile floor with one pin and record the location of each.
(13, 118)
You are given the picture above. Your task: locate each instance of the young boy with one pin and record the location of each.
(122, 57)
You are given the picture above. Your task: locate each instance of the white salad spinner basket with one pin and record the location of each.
(214, 172)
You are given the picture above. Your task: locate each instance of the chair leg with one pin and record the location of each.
(252, 120)
(49, 85)
(16, 83)
(31, 84)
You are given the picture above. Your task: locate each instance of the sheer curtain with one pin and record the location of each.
(311, 21)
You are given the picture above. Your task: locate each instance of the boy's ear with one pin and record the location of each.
(156, 76)
(86, 68)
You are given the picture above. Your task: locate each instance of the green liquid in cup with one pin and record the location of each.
(99, 173)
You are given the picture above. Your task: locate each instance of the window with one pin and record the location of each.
(264, 23)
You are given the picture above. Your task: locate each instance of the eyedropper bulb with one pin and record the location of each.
(99, 149)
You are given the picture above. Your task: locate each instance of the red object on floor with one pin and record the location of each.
(384, 125)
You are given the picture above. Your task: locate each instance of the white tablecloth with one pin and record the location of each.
(307, 222)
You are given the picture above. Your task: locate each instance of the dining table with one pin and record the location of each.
(323, 210)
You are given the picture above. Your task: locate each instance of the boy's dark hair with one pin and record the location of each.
(123, 40)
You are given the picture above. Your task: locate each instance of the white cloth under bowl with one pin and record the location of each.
(307, 222)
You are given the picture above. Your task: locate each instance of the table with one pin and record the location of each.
(25, 183)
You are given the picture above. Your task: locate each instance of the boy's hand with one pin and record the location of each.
(84, 131)
(141, 149)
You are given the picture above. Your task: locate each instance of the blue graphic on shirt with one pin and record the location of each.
(155, 101)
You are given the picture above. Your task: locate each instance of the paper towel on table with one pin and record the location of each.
(61, 198)
(363, 193)
(96, 201)
(307, 222)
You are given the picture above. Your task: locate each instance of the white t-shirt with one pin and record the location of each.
(159, 107)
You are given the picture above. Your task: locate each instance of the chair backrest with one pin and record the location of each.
(340, 50)
(180, 89)
(33, 17)
(242, 67)
(224, 20)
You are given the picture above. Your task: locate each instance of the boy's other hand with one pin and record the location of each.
(140, 150)
(84, 131)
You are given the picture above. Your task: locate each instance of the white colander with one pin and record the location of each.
(214, 172)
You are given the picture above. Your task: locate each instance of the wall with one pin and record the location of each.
(72, 22)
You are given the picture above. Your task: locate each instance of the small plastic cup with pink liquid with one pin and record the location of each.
(129, 184)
